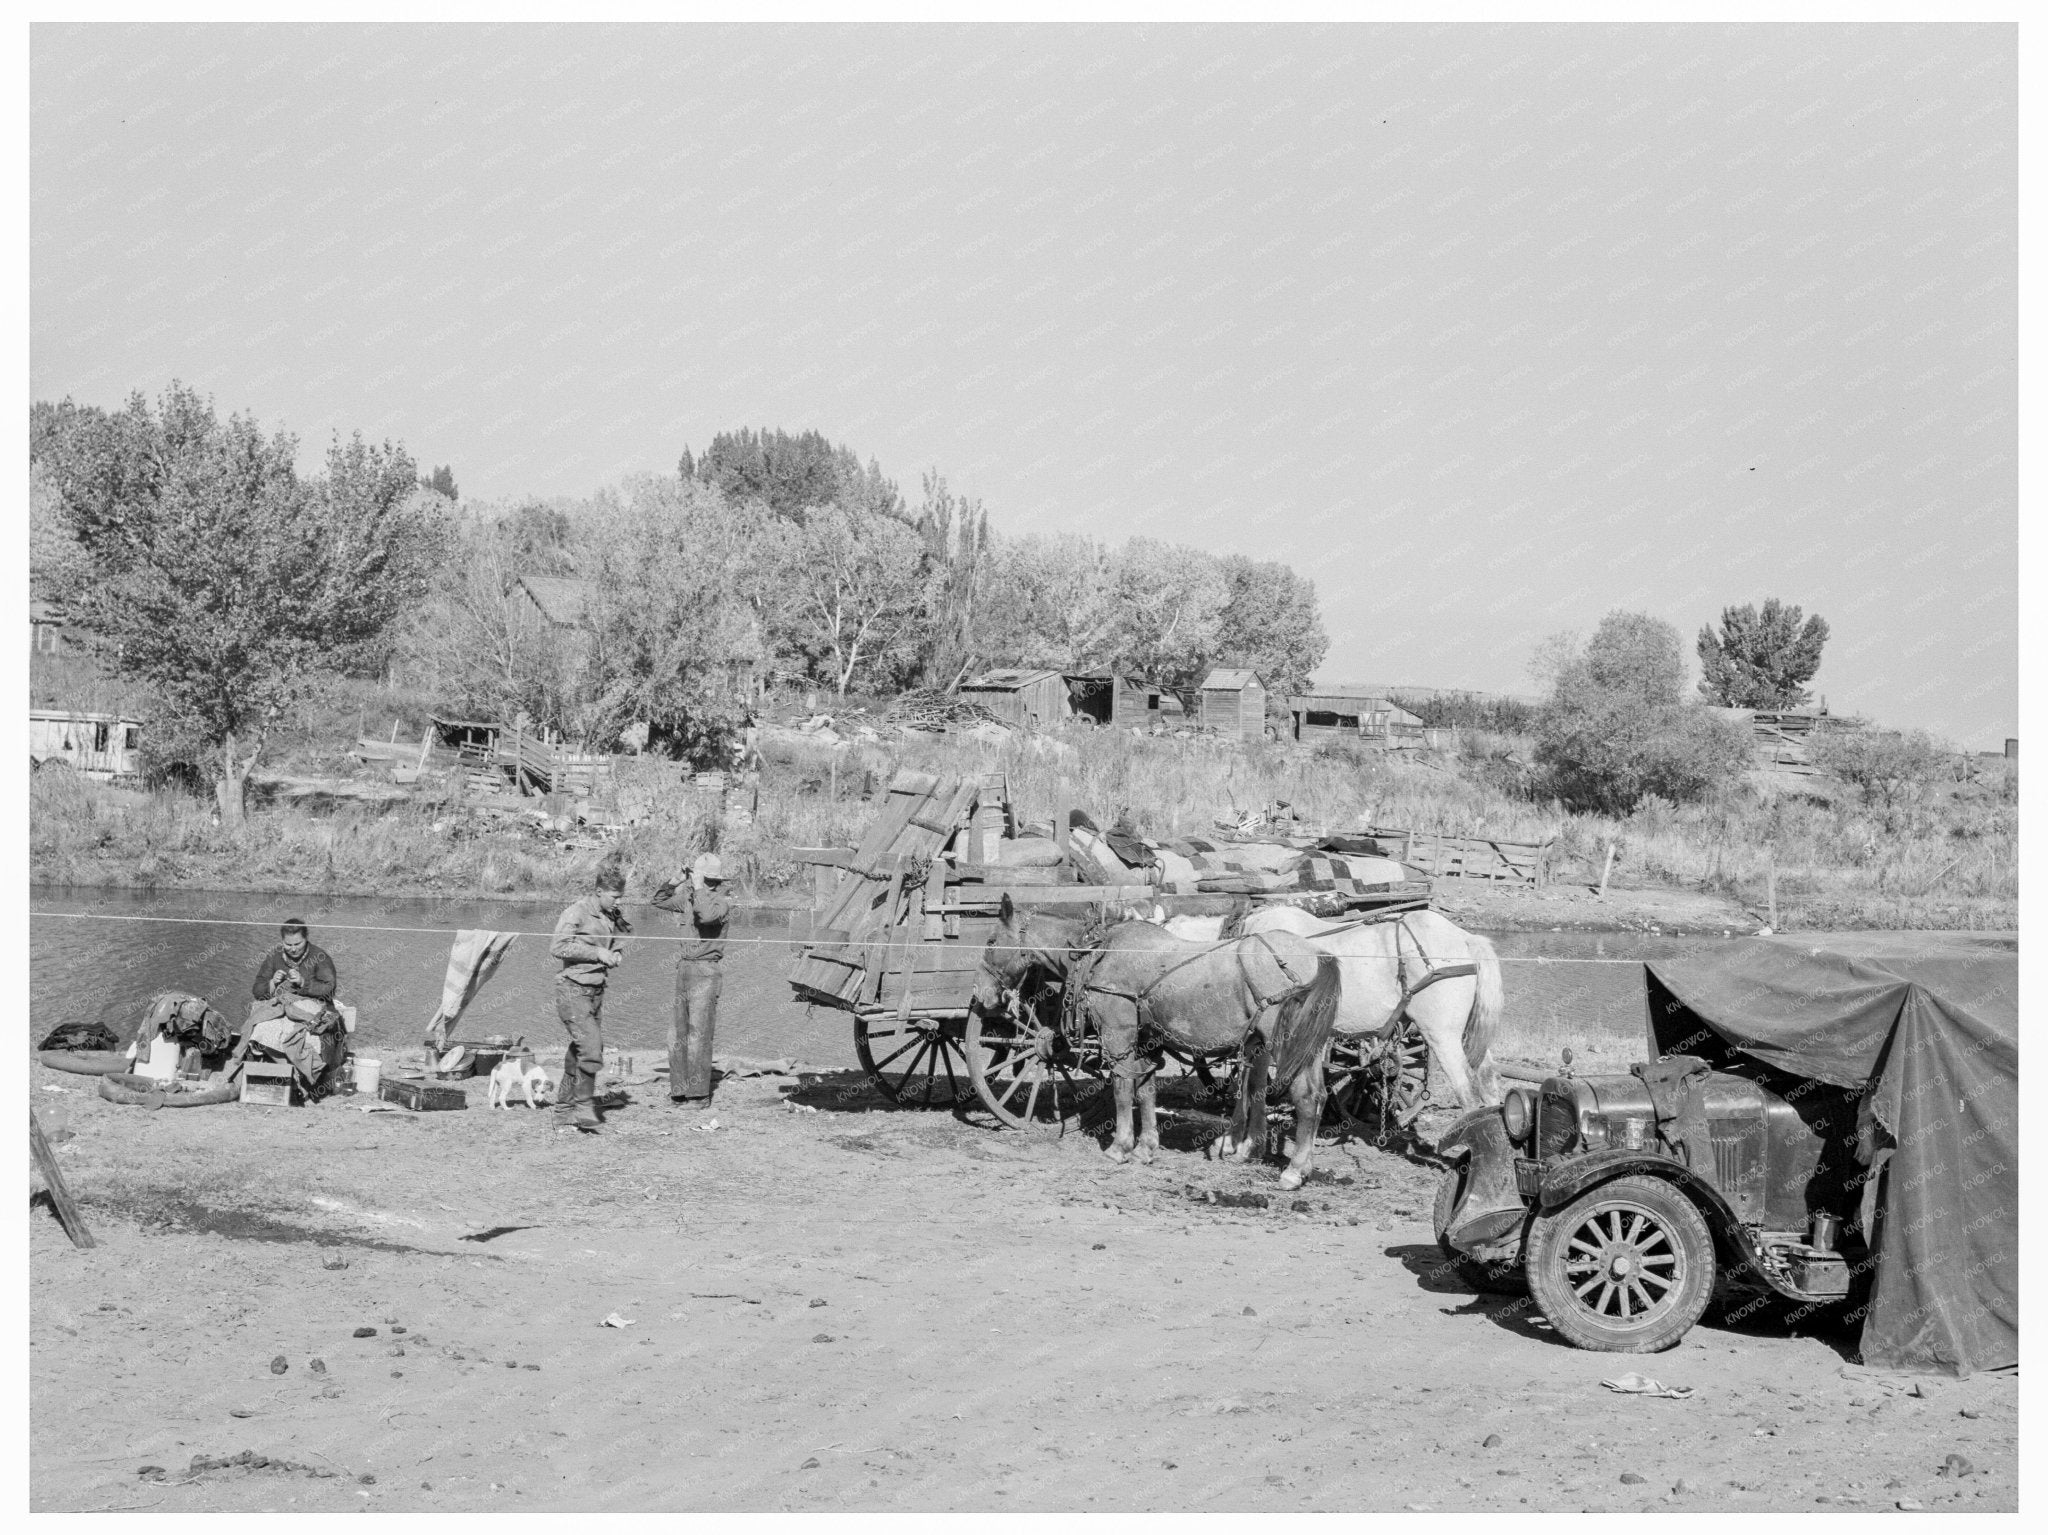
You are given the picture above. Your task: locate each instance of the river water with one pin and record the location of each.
(104, 953)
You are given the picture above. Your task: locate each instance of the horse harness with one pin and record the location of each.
(1079, 984)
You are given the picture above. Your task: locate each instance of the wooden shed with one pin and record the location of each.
(1113, 698)
(1354, 713)
(1234, 702)
(1020, 697)
(101, 746)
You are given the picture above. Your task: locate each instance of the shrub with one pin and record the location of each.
(1889, 768)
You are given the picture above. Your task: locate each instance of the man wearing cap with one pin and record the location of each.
(700, 900)
(586, 943)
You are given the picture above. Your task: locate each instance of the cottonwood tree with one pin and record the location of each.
(956, 542)
(1270, 622)
(216, 578)
(1761, 659)
(681, 593)
(791, 473)
(1167, 607)
(1615, 728)
(483, 646)
(856, 582)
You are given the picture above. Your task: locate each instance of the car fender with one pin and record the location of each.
(1566, 1180)
(1489, 1210)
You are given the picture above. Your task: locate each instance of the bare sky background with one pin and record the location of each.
(1489, 330)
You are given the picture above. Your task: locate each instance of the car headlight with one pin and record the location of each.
(1515, 1113)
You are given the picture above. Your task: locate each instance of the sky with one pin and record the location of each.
(1489, 330)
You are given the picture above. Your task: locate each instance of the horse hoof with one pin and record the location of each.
(1147, 1153)
(1290, 1180)
(1114, 1152)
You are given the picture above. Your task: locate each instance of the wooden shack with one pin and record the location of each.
(1234, 703)
(1354, 713)
(1020, 697)
(101, 746)
(1116, 699)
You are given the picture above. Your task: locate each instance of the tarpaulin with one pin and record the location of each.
(472, 960)
(1925, 1026)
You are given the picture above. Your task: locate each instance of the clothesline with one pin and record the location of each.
(763, 941)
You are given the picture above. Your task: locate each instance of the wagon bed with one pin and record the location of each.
(897, 938)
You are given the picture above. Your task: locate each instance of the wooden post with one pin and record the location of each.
(1062, 828)
(1606, 869)
(53, 1176)
(1771, 888)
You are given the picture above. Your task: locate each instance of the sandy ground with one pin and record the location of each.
(845, 1306)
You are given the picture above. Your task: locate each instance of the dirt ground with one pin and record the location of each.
(838, 1305)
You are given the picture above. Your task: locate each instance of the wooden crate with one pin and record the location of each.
(267, 1082)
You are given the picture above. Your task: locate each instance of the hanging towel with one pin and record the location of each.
(471, 961)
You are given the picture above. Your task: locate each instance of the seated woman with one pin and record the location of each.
(293, 1014)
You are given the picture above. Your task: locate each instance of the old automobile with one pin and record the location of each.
(1825, 1120)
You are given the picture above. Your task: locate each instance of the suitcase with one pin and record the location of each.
(412, 1093)
(267, 1082)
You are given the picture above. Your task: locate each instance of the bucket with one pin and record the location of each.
(368, 1073)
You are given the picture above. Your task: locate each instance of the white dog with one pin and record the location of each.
(523, 1073)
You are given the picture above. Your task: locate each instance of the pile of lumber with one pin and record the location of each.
(932, 710)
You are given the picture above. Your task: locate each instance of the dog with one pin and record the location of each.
(522, 1073)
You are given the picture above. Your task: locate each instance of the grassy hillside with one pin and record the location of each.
(1950, 860)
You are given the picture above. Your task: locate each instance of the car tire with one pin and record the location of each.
(1626, 1268)
(1489, 1276)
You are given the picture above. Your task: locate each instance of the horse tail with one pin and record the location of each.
(1488, 1001)
(1248, 1122)
(1303, 1022)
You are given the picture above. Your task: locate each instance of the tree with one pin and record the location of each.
(1045, 601)
(1889, 768)
(215, 577)
(1761, 660)
(856, 578)
(1615, 728)
(1167, 607)
(441, 482)
(791, 474)
(483, 646)
(1270, 622)
(955, 565)
(679, 583)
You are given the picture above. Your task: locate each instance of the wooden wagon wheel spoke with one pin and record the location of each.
(903, 1057)
(1026, 1075)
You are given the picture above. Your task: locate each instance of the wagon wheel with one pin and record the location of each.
(917, 1063)
(1379, 1092)
(1029, 1075)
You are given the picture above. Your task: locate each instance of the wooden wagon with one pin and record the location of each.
(897, 939)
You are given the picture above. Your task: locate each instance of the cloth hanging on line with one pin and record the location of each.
(472, 960)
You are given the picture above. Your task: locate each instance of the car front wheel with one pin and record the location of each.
(1625, 1268)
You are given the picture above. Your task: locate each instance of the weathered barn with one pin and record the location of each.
(1020, 697)
(101, 746)
(1354, 713)
(1111, 698)
(1234, 702)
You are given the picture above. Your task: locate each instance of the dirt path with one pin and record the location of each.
(857, 1308)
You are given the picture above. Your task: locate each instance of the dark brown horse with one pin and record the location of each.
(1271, 997)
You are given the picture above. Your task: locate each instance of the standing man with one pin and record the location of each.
(586, 943)
(702, 904)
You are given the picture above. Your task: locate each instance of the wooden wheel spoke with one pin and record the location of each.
(909, 1044)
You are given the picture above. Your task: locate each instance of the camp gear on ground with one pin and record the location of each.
(585, 942)
(81, 1036)
(472, 960)
(158, 1061)
(84, 1063)
(1926, 1026)
(367, 1075)
(187, 1019)
(691, 1029)
(143, 1092)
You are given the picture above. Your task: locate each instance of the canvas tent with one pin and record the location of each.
(1920, 1031)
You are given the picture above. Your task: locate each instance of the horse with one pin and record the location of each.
(1271, 996)
(1387, 962)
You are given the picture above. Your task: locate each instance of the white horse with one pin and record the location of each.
(1384, 961)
